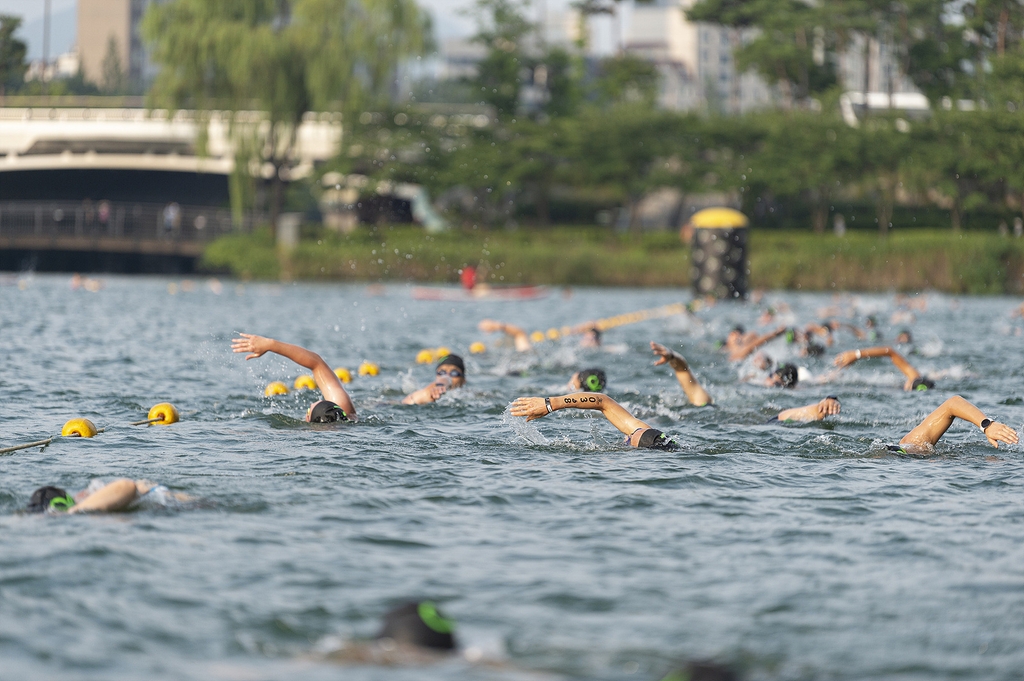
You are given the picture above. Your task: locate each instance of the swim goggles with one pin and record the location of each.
(454, 373)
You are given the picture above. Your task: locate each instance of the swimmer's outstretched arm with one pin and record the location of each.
(812, 412)
(426, 395)
(695, 392)
(743, 350)
(518, 335)
(111, 497)
(938, 422)
(845, 359)
(535, 408)
(329, 384)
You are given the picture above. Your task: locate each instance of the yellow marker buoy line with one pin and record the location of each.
(143, 422)
(161, 414)
(28, 445)
(612, 322)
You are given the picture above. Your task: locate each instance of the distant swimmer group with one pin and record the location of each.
(586, 387)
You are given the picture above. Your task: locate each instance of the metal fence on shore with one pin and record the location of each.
(112, 220)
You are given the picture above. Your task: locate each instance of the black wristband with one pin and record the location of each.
(985, 423)
(547, 403)
(832, 397)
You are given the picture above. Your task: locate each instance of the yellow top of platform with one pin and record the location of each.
(718, 218)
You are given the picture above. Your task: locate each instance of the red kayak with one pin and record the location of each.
(480, 292)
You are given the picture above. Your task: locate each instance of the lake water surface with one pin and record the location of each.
(791, 552)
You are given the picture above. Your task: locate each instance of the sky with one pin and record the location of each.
(449, 20)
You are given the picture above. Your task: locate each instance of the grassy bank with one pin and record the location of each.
(969, 262)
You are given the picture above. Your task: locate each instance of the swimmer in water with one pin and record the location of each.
(114, 496)
(935, 425)
(915, 381)
(589, 380)
(739, 345)
(695, 392)
(638, 433)
(518, 335)
(784, 376)
(414, 633)
(336, 405)
(591, 337)
(450, 373)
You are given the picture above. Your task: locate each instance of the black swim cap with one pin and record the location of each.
(593, 380)
(815, 349)
(49, 498)
(419, 624)
(702, 670)
(326, 411)
(652, 438)
(787, 375)
(455, 361)
(922, 383)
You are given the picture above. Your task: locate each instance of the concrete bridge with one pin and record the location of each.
(136, 139)
(88, 188)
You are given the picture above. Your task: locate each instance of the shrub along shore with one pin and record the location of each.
(907, 260)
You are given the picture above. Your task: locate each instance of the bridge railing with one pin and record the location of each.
(119, 220)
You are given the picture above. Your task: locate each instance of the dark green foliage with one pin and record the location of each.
(12, 55)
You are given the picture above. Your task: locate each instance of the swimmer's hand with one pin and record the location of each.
(670, 357)
(812, 412)
(845, 359)
(256, 346)
(1000, 432)
(435, 390)
(530, 407)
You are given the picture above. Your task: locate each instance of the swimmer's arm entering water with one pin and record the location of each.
(328, 383)
(519, 337)
(745, 349)
(695, 392)
(535, 408)
(845, 359)
(935, 425)
(114, 496)
(811, 412)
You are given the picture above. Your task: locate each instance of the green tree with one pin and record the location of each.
(624, 150)
(806, 156)
(114, 80)
(282, 58)
(564, 82)
(627, 79)
(12, 55)
(502, 28)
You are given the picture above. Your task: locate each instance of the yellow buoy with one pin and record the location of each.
(344, 374)
(537, 336)
(78, 428)
(368, 369)
(305, 382)
(165, 411)
(425, 357)
(553, 334)
(477, 348)
(442, 352)
(275, 388)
